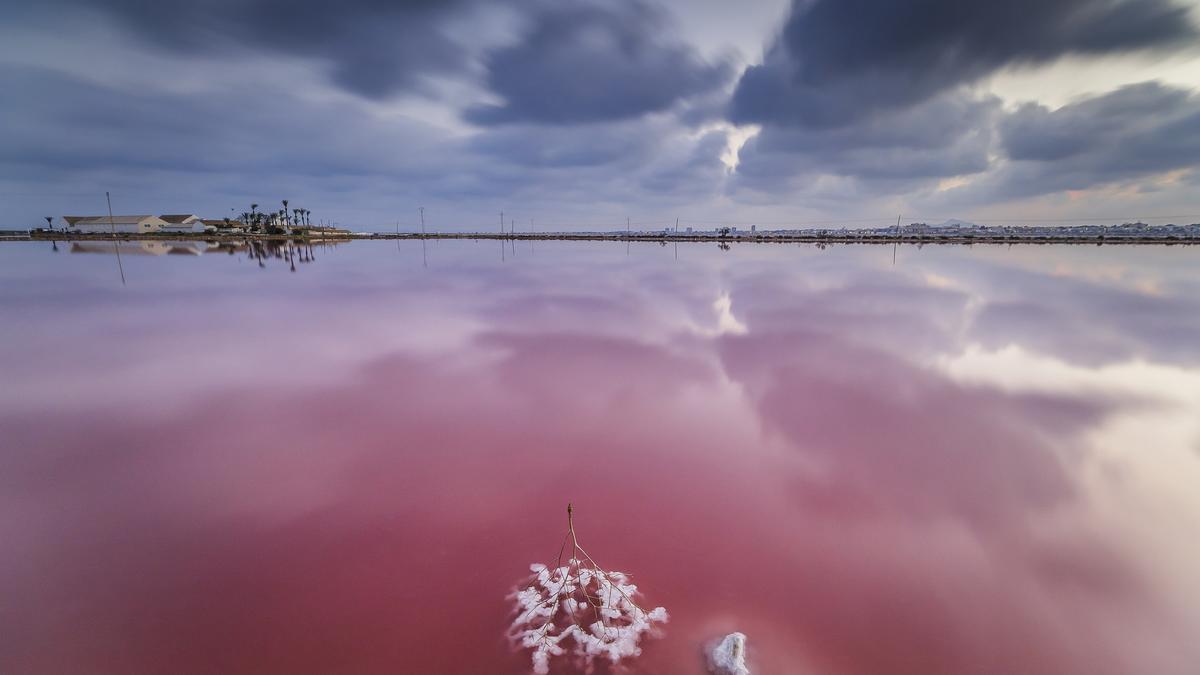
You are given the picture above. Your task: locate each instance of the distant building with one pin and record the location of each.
(182, 223)
(119, 224)
(222, 225)
(753, 229)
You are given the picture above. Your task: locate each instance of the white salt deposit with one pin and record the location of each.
(728, 657)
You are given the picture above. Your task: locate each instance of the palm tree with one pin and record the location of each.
(253, 210)
(50, 222)
(285, 223)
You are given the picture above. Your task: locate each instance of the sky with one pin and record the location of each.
(581, 114)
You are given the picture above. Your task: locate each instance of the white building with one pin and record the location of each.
(119, 224)
(182, 223)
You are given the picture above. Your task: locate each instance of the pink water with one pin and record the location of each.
(969, 460)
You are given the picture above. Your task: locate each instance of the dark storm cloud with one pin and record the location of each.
(948, 136)
(586, 63)
(371, 47)
(1137, 128)
(838, 60)
(1132, 133)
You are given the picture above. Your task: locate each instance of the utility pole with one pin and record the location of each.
(501, 223)
(422, 210)
(113, 226)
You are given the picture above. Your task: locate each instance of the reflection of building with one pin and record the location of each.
(141, 247)
(119, 224)
(182, 223)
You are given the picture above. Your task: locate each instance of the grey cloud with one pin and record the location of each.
(564, 147)
(1128, 134)
(374, 48)
(156, 146)
(579, 61)
(948, 136)
(1161, 123)
(840, 60)
(591, 62)
(64, 123)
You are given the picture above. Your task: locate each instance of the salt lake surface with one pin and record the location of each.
(947, 460)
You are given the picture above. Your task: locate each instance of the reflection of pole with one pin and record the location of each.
(113, 226)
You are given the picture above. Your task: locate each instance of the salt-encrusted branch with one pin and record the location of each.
(549, 606)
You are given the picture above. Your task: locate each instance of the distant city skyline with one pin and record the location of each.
(579, 114)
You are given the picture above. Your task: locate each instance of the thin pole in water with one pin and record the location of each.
(897, 241)
(112, 225)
